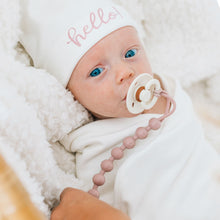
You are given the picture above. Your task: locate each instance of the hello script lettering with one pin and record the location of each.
(96, 21)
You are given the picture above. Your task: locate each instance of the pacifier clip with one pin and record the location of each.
(143, 94)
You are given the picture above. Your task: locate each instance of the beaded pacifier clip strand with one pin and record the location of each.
(142, 94)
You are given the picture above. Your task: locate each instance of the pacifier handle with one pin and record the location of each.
(141, 95)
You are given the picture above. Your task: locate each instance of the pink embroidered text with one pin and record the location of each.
(96, 21)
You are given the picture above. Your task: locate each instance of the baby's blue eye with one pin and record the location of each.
(96, 72)
(130, 53)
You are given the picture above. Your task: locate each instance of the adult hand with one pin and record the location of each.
(79, 205)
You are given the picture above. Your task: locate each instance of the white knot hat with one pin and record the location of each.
(57, 33)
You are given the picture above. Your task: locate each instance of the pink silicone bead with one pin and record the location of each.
(107, 165)
(154, 123)
(94, 192)
(98, 179)
(117, 153)
(141, 133)
(129, 142)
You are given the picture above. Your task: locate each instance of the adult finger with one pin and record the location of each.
(65, 191)
(55, 214)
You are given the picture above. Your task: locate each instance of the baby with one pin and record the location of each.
(93, 48)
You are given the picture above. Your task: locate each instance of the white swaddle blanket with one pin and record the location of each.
(172, 174)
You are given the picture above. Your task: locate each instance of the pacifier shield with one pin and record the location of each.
(140, 94)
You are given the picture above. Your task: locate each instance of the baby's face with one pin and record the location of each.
(101, 79)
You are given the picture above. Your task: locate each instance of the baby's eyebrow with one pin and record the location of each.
(97, 60)
(94, 56)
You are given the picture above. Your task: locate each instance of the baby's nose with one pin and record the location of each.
(123, 75)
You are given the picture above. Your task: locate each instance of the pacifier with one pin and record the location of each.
(140, 94)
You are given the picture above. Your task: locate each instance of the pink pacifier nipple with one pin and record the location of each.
(140, 94)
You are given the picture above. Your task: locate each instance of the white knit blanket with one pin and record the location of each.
(182, 38)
